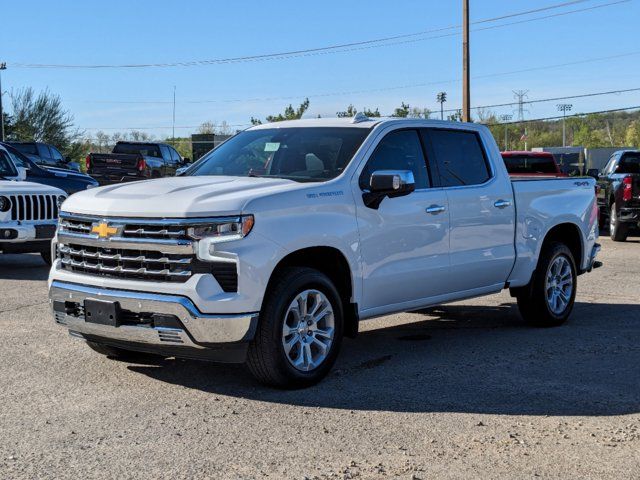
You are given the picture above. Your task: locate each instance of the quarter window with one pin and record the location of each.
(459, 156)
(399, 150)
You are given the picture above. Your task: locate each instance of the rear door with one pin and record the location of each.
(481, 209)
(404, 243)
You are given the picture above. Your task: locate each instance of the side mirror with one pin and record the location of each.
(388, 183)
(186, 161)
(593, 172)
(22, 174)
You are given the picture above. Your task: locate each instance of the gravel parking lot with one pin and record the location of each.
(463, 390)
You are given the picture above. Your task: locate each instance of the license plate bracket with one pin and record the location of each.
(102, 312)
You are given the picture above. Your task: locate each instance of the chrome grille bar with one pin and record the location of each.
(98, 267)
(122, 258)
(33, 208)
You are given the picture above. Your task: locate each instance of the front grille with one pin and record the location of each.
(141, 250)
(33, 207)
(135, 264)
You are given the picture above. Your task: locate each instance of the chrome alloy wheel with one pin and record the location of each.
(612, 221)
(559, 285)
(308, 330)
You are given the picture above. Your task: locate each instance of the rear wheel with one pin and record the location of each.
(300, 330)
(617, 230)
(548, 300)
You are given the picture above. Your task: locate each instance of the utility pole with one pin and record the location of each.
(466, 64)
(564, 108)
(173, 128)
(520, 95)
(3, 66)
(505, 119)
(441, 98)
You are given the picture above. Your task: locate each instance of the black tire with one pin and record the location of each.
(120, 353)
(46, 257)
(266, 358)
(532, 299)
(617, 230)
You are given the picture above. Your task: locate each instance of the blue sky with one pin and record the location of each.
(116, 32)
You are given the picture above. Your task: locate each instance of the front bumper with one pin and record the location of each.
(165, 324)
(18, 232)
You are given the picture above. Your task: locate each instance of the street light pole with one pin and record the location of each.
(441, 98)
(466, 64)
(564, 108)
(173, 128)
(3, 66)
(506, 118)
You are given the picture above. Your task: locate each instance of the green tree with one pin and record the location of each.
(41, 118)
(632, 135)
(351, 112)
(402, 111)
(290, 113)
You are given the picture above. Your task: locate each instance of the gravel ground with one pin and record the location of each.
(459, 391)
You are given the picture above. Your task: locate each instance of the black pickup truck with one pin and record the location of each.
(619, 193)
(130, 161)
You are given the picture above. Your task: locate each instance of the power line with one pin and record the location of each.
(345, 47)
(600, 112)
(372, 90)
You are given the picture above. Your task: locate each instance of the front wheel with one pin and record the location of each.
(617, 230)
(548, 300)
(46, 257)
(299, 332)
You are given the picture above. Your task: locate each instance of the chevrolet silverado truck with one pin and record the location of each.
(131, 161)
(619, 194)
(275, 245)
(28, 211)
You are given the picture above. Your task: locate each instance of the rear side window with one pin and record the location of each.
(398, 150)
(629, 163)
(459, 156)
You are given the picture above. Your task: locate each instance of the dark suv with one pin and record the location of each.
(44, 154)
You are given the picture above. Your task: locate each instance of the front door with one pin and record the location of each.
(405, 242)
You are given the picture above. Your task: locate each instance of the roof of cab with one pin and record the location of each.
(350, 122)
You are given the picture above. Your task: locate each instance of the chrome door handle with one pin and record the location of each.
(502, 204)
(435, 209)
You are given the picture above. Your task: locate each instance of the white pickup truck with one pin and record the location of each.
(28, 211)
(277, 243)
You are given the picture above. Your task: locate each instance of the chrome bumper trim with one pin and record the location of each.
(592, 259)
(203, 328)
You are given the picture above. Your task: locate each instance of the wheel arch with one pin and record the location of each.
(569, 234)
(334, 264)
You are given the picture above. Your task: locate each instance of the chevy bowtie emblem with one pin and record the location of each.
(103, 230)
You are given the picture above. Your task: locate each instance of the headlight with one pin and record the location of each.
(225, 230)
(60, 200)
(5, 204)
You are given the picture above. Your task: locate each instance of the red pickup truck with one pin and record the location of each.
(532, 164)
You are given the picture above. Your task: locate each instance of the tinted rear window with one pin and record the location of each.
(629, 163)
(138, 149)
(28, 148)
(529, 164)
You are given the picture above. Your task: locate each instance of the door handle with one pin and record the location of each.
(502, 204)
(435, 209)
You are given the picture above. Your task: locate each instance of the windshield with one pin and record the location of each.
(138, 149)
(7, 169)
(530, 164)
(312, 154)
(28, 148)
(629, 163)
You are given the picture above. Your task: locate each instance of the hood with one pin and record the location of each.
(63, 172)
(9, 187)
(176, 197)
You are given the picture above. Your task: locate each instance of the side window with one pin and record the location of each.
(398, 150)
(56, 155)
(175, 156)
(609, 167)
(43, 151)
(166, 155)
(459, 156)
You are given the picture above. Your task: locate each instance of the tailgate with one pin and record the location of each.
(114, 165)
